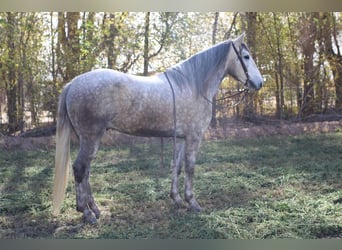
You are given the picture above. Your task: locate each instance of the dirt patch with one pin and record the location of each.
(270, 130)
(24, 143)
(237, 130)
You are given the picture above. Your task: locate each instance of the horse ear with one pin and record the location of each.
(238, 41)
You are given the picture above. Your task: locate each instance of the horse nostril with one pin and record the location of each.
(258, 86)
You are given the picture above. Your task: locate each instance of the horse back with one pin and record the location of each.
(105, 98)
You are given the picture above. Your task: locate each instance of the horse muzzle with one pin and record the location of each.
(254, 85)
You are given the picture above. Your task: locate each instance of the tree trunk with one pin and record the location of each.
(89, 43)
(111, 56)
(68, 48)
(250, 106)
(72, 45)
(61, 40)
(307, 42)
(11, 83)
(280, 69)
(321, 88)
(337, 73)
(214, 107)
(296, 68)
(334, 58)
(146, 43)
(54, 49)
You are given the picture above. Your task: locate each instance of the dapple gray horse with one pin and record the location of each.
(176, 103)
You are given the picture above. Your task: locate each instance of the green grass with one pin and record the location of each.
(272, 187)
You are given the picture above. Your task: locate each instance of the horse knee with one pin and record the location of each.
(190, 170)
(80, 171)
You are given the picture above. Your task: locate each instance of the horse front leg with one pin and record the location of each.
(85, 202)
(192, 147)
(176, 171)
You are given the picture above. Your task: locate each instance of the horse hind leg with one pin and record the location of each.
(85, 202)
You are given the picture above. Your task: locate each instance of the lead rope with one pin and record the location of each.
(244, 92)
(174, 119)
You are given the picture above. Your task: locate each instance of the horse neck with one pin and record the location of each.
(213, 84)
(221, 72)
(205, 70)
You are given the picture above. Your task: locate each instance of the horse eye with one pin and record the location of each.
(246, 57)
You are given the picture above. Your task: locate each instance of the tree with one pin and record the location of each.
(89, 40)
(32, 68)
(110, 39)
(121, 40)
(9, 73)
(308, 34)
(330, 40)
(251, 31)
(279, 66)
(146, 43)
(52, 95)
(213, 122)
(68, 45)
(71, 44)
(298, 53)
(22, 69)
(293, 67)
(159, 35)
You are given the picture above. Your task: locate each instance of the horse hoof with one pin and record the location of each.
(195, 207)
(179, 204)
(88, 218)
(97, 213)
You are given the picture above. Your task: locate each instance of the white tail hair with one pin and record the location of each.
(62, 155)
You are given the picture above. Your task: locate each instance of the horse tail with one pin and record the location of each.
(62, 155)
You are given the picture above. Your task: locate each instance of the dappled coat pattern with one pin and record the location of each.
(175, 103)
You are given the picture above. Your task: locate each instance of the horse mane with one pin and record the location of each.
(197, 70)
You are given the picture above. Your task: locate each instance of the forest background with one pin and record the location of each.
(298, 54)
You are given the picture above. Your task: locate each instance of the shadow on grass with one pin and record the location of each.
(25, 194)
(272, 187)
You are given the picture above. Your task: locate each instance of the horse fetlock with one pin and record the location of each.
(177, 201)
(194, 206)
(92, 205)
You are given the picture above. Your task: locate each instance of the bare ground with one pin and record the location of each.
(235, 130)
(291, 129)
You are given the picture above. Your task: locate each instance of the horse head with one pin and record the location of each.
(242, 66)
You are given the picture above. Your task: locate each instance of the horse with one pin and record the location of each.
(174, 103)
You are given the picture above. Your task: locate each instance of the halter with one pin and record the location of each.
(238, 54)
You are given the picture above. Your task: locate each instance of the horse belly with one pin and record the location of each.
(143, 123)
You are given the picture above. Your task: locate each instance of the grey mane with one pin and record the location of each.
(197, 70)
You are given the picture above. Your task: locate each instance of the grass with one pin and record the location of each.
(272, 187)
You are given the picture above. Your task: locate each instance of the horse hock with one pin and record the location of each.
(85, 202)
